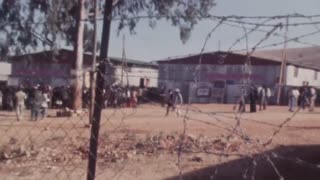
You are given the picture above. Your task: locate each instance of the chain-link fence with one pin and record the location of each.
(151, 133)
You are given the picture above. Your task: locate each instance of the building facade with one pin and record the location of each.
(55, 68)
(5, 71)
(220, 76)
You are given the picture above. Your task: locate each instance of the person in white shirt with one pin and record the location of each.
(313, 97)
(20, 98)
(293, 99)
(178, 101)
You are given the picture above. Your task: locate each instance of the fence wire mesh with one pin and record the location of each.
(143, 137)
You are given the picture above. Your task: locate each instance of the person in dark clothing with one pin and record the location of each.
(262, 96)
(253, 96)
(303, 98)
(163, 95)
(36, 104)
(9, 99)
(86, 98)
(241, 102)
(57, 97)
(65, 97)
(170, 101)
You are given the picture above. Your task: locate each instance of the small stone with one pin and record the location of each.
(13, 140)
(139, 145)
(197, 159)
(129, 156)
(191, 137)
(9, 161)
(5, 156)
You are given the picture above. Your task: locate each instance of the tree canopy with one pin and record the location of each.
(29, 25)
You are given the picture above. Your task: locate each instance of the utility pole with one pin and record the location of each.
(122, 64)
(94, 63)
(100, 83)
(124, 60)
(283, 63)
(77, 72)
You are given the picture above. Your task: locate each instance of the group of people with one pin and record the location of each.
(36, 99)
(302, 97)
(39, 98)
(256, 95)
(119, 96)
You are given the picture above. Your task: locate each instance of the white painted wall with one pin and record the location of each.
(303, 75)
(134, 75)
(5, 71)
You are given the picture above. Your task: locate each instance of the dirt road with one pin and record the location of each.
(55, 148)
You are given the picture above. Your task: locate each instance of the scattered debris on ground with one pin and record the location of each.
(120, 149)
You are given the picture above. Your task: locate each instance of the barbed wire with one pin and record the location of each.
(234, 130)
(274, 34)
(228, 18)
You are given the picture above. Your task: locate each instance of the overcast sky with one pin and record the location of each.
(163, 41)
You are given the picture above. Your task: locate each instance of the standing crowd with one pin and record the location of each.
(303, 97)
(35, 98)
(40, 98)
(256, 96)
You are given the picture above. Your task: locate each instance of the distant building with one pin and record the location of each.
(5, 71)
(222, 74)
(55, 68)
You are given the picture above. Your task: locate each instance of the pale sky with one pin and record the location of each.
(163, 41)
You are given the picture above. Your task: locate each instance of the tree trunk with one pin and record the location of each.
(94, 56)
(77, 72)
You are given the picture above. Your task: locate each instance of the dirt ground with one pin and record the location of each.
(54, 148)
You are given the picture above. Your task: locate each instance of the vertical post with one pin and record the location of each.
(94, 56)
(122, 65)
(78, 70)
(283, 63)
(100, 82)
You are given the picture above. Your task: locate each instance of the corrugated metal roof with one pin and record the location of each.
(134, 62)
(64, 56)
(307, 57)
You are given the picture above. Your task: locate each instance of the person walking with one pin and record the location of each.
(313, 97)
(45, 104)
(134, 97)
(293, 99)
(20, 98)
(163, 95)
(304, 101)
(170, 101)
(178, 101)
(253, 96)
(241, 102)
(36, 104)
(262, 98)
(9, 99)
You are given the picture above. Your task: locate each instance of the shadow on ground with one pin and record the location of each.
(292, 162)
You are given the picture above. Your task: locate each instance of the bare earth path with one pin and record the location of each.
(54, 148)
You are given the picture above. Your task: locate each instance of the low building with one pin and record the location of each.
(133, 73)
(220, 75)
(55, 68)
(5, 71)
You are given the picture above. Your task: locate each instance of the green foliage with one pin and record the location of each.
(31, 24)
(184, 14)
